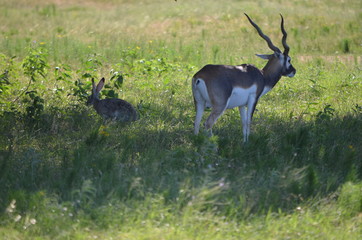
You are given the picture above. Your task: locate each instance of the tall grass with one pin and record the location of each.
(65, 174)
(189, 28)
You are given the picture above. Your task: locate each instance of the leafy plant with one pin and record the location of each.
(5, 67)
(35, 105)
(80, 90)
(8, 71)
(35, 63)
(326, 114)
(91, 65)
(117, 78)
(84, 196)
(34, 66)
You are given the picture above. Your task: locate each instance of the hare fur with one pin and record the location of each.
(113, 108)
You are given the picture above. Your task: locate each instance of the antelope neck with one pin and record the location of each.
(272, 74)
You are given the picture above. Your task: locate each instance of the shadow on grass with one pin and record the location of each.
(77, 158)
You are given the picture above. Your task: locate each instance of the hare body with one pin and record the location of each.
(113, 108)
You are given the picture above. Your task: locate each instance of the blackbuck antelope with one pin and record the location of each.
(222, 87)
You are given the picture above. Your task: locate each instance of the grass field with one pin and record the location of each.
(64, 174)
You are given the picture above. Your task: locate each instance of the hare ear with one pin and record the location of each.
(93, 86)
(93, 83)
(100, 85)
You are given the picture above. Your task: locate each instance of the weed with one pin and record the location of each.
(326, 114)
(345, 45)
(350, 198)
(35, 63)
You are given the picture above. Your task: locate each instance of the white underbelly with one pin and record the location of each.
(240, 96)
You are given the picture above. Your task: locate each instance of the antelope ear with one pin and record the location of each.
(265, 56)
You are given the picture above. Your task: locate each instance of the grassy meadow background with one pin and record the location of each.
(64, 174)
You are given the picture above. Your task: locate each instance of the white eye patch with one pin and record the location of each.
(287, 63)
(285, 60)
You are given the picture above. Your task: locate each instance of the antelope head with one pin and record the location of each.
(279, 61)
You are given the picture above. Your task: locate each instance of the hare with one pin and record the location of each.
(111, 109)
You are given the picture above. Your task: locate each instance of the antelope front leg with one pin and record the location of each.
(248, 116)
(244, 120)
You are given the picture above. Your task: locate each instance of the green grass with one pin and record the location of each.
(66, 175)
